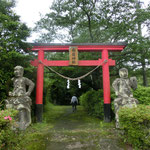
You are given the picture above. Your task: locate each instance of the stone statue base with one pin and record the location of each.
(123, 102)
(23, 105)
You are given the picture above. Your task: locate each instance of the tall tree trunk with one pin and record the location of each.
(90, 28)
(145, 81)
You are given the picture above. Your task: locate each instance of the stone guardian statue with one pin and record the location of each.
(122, 87)
(19, 98)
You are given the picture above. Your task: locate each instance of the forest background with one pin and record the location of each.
(76, 21)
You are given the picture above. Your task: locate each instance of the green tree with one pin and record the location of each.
(138, 49)
(84, 21)
(13, 34)
(88, 21)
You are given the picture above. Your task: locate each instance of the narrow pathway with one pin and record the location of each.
(77, 131)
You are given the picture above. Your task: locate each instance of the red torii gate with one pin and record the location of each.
(88, 47)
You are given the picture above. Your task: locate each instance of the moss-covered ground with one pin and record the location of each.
(64, 130)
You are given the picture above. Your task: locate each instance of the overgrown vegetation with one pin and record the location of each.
(135, 123)
(93, 103)
(142, 94)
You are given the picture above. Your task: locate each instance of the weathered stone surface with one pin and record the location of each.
(19, 98)
(122, 87)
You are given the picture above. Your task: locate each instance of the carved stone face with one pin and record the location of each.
(18, 71)
(123, 73)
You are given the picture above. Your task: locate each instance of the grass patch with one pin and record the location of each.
(35, 136)
(53, 112)
(80, 114)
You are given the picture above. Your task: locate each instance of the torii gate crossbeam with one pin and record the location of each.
(86, 47)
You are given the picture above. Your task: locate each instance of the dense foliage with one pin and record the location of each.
(92, 21)
(13, 33)
(135, 123)
(13, 47)
(92, 101)
(8, 60)
(142, 94)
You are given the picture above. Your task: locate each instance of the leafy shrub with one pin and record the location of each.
(93, 103)
(135, 122)
(142, 94)
(7, 137)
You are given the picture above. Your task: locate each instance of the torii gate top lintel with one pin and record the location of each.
(82, 47)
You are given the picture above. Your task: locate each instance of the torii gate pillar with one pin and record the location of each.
(39, 87)
(88, 47)
(106, 87)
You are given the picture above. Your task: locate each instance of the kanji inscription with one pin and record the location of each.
(73, 56)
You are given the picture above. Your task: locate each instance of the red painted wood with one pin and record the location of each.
(106, 80)
(81, 48)
(40, 77)
(66, 62)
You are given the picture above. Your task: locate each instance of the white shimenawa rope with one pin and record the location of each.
(73, 79)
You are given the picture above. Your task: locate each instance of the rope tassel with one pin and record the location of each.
(68, 84)
(79, 84)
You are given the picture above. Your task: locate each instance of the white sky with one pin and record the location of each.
(30, 10)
